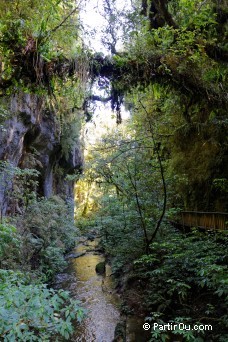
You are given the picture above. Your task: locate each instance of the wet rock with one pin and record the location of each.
(91, 237)
(99, 250)
(96, 253)
(64, 280)
(82, 240)
(75, 255)
(62, 277)
(100, 267)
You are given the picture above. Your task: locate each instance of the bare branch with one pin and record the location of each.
(64, 20)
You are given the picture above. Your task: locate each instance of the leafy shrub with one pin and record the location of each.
(52, 220)
(122, 236)
(187, 281)
(9, 245)
(18, 185)
(34, 312)
(52, 260)
(48, 231)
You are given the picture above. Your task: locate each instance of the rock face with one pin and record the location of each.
(31, 138)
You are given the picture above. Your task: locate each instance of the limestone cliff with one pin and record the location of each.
(31, 138)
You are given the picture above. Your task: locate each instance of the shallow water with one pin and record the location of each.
(96, 292)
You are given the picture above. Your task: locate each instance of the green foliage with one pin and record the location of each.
(9, 245)
(21, 20)
(187, 281)
(184, 61)
(199, 15)
(44, 233)
(49, 233)
(221, 184)
(34, 312)
(124, 179)
(176, 124)
(70, 135)
(36, 37)
(122, 235)
(18, 185)
(30, 311)
(52, 260)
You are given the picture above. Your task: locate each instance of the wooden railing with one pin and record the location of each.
(204, 220)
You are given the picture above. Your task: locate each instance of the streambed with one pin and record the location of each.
(98, 297)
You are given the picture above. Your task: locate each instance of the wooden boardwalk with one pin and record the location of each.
(203, 220)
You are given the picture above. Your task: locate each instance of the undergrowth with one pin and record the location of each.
(32, 248)
(185, 280)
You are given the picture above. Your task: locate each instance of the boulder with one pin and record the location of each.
(100, 267)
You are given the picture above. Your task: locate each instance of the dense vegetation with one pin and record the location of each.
(127, 193)
(31, 252)
(36, 232)
(171, 75)
(170, 155)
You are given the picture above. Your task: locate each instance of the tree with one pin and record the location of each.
(183, 58)
(128, 168)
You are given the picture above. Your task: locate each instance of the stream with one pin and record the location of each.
(97, 295)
